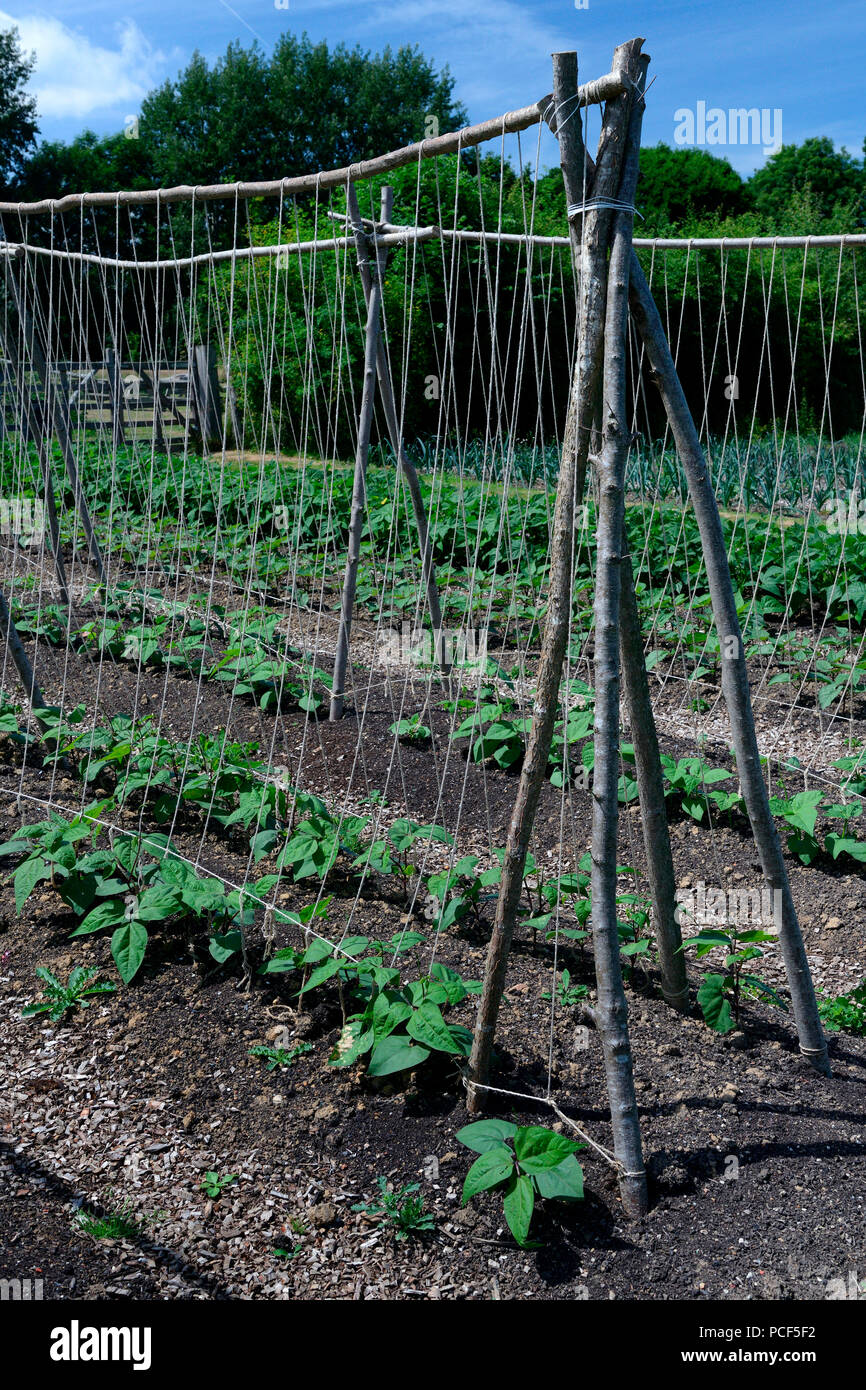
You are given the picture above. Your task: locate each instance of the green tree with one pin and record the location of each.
(88, 162)
(298, 339)
(247, 116)
(18, 128)
(676, 186)
(304, 108)
(835, 179)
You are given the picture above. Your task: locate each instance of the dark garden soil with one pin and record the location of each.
(757, 1164)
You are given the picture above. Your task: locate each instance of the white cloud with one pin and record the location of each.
(75, 77)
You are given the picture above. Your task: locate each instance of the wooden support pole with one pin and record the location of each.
(359, 486)
(735, 681)
(735, 677)
(611, 1010)
(592, 93)
(386, 393)
(651, 792)
(668, 938)
(593, 252)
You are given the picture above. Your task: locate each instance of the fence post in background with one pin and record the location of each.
(59, 412)
(55, 416)
(159, 435)
(115, 395)
(63, 377)
(206, 395)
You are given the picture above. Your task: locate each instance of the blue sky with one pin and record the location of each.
(97, 58)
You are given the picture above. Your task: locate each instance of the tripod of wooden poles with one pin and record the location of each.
(600, 195)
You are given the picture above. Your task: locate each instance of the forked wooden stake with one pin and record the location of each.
(371, 264)
(407, 467)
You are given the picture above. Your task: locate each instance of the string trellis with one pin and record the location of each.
(282, 476)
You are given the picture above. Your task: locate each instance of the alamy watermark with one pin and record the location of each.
(22, 1290)
(22, 517)
(737, 126)
(845, 515)
(411, 646)
(729, 907)
(77, 1343)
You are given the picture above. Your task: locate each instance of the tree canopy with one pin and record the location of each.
(89, 161)
(252, 116)
(18, 128)
(834, 180)
(304, 107)
(676, 185)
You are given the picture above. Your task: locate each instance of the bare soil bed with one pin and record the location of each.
(757, 1164)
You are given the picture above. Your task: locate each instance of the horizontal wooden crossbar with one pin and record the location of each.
(612, 84)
